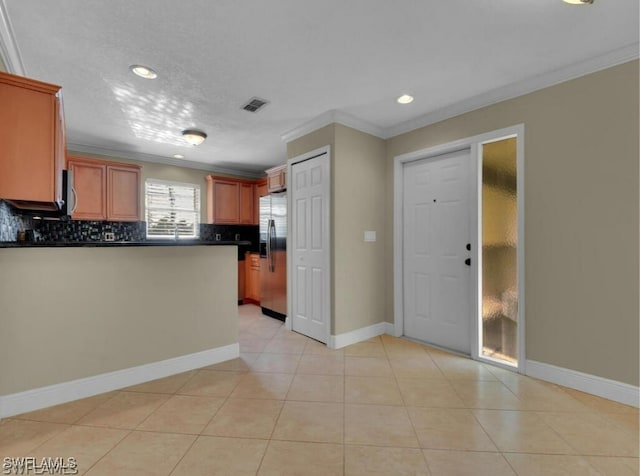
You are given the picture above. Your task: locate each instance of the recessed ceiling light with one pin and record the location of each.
(178, 156)
(194, 136)
(143, 71)
(405, 99)
(579, 2)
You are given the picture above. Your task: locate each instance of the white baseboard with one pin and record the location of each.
(390, 328)
(30, 400)
(358, 335)
(602, 387)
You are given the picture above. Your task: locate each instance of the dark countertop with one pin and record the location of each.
(94, 244)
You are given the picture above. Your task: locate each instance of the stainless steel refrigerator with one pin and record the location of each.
(273, 255)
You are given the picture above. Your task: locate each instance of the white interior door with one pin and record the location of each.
(436, 222)
(309, 190)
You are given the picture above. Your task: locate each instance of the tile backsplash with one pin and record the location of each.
(11, 224)
(87, 231)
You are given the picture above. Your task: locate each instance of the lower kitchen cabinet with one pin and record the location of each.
(252, 278)
(105, 190)
(241, 281)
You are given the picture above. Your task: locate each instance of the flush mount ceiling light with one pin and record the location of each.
(579, 2)
(178, 156)
(143, 71)
(194, 136)
(405, 99)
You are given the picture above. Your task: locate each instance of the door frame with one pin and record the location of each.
(327, 298)
(474, 143)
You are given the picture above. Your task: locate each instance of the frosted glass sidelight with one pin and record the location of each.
(499, 251)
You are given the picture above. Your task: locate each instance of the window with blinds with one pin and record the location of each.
(172, 209)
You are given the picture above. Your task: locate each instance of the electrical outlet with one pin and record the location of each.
(237, 236)
(109, 236)
(217, 236)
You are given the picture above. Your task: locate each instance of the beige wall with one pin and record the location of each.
(358, 266)
(581, 216)
(69, 313)
(357, 204)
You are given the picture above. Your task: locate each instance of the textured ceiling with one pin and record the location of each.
(305, 57)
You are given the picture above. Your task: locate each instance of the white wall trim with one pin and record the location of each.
(509, 91)
(389, 328)
(602, 387)
(29, 400)
(520, 88)
(330, 117)
(358, 335)
(8, 46)
(74, 147)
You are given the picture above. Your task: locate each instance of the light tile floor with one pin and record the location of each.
(291, 406)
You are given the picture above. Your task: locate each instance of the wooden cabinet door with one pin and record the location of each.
(226, 202)
(241, 281)
(260, 190)
(252, 278)
(246, 203)
(27, 139)
(89, 182)
(123, 193)
(277, 178)
(276, 182)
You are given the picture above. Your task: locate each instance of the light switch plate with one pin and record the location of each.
(369, 236)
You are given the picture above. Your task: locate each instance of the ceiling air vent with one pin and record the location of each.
(255, 104)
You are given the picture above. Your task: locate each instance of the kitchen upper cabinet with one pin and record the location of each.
(277, 178)
(230, 201)
(90, 185)
(246, 203)
(105, 190)
(32, 141)
(260, 190)
(223, 200)
(123, 193)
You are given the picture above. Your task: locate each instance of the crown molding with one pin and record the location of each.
(330, 117)
(9, 52)
(535, 83)
(74, 147)
(613, 58)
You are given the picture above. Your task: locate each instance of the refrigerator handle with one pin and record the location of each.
(272, 238)
(269, 243)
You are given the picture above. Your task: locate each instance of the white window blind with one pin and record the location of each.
(172, 209)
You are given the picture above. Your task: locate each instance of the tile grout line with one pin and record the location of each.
(270, 439)
(406, 409)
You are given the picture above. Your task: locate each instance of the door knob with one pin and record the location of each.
(467, 261)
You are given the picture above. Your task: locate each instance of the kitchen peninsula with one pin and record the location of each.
(79, 320)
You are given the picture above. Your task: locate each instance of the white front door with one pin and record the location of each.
(309, 195)
(436, 234)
